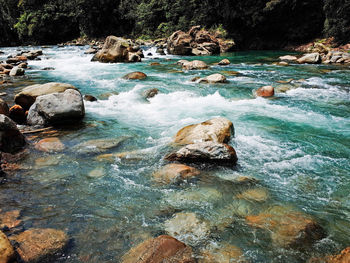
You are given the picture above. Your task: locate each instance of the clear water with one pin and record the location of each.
(297, 145)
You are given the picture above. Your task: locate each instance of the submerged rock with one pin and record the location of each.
(312, 58)
(98, 145)
(174, 172)
(194, 65)
(97, 172)
(28, 95)
(150, 93)
(205, 152)
(187, 228)
(40, 245)
(343, 257)
(50, 145)
(57, 108)
(214, 130)
(214, 78)
(7, 253)
(288, 228)
(9, 220)
(11, 139)
(255, 194)
(116, 49)
(266, 91)
(222, 253)
(135, 75)
(159, 250)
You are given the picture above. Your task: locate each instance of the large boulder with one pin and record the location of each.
(174, 172)
(52, 144)
(40, 245)
(116, 49)
(11, 139)
(214, 78)
(287, 227)
(312, 58)
(27, 96)
(57, 108)
(265, 91)
(196, 41)
(205, 152)
(215, 130)
(16, 71)
(159, 250)
(194, 65)
(7, 252)
(17, 114)
(288, 58)
(4, 108)
(135, 75)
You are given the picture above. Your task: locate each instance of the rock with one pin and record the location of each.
(154, 64)
(343, 257)
(174, 172)
(7, 253)
(97, 172)
(214, 130)
(40, 245)
(16, 71)
(205, 152)
(116, 49)
(27, 96)
(16, 60)
(90, 98)
(312, 58)
(160, 51)
(181, 62)
(159, 250)
(194, 65)
(23, 65)
(224, 62)
(226, 45)
(91, 51)
(17, 114)
(179, 43)
(283, 63)
(266, 91)
(9, 220)
(288, 228)
(4, 109)
(223, 253)
(150, 93)
(187, 228)
(57, 108)
(50, 160)
(52, 144)
(255, 194)
(194, 79)
(214, 78)
(48, 68)
(231, 73)
(98, 145)
(135, 75)
(11, 139)
(288, 58)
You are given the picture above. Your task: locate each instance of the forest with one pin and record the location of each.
(253, 24)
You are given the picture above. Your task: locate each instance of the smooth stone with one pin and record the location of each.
(159, 250)
(9, 220)
(23, 65)
(224, 62)
(288, 58)
(265, 91)
(312, 58)
(4, 108)
(57, 108)
(17, 114)
(28, 95)
(187, 228)
(214, 130)
(181, 62)
(7, 253)
(90, 98)
(195, 65)
(222, 253)
(50, 145)
(40, 245)
(97, 172)
(287, 227)
(98, 145)
(17, 71)
(214, 78)
(47, 161)
(11, 139)
(205, 152)
(135, 75)
(174, 172)
(255, 194)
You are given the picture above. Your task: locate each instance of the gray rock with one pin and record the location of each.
(205, 152)
(11, 139)
(4, 108)
(150, 93)
(57, 108)
(17, 71)
(312, 58)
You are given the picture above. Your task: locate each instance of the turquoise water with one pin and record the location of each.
(296, 144)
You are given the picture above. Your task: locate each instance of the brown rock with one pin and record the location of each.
(179, 43)
(343, 257)
(7, 253)
(224, 62)
(266, 91)
(38, 245)
(154, 64)
(225, 253)
(4, 109)
(255, 194)
(215, 130)
(17, 114)
(159, 250)
(174, 172)
(135, 75)
(50, 145)
(288, 228)
(150, 93)
(90, 98)
(10, 219)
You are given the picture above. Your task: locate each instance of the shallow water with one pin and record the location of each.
(296, 144)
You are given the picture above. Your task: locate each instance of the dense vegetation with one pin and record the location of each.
(252, 23)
